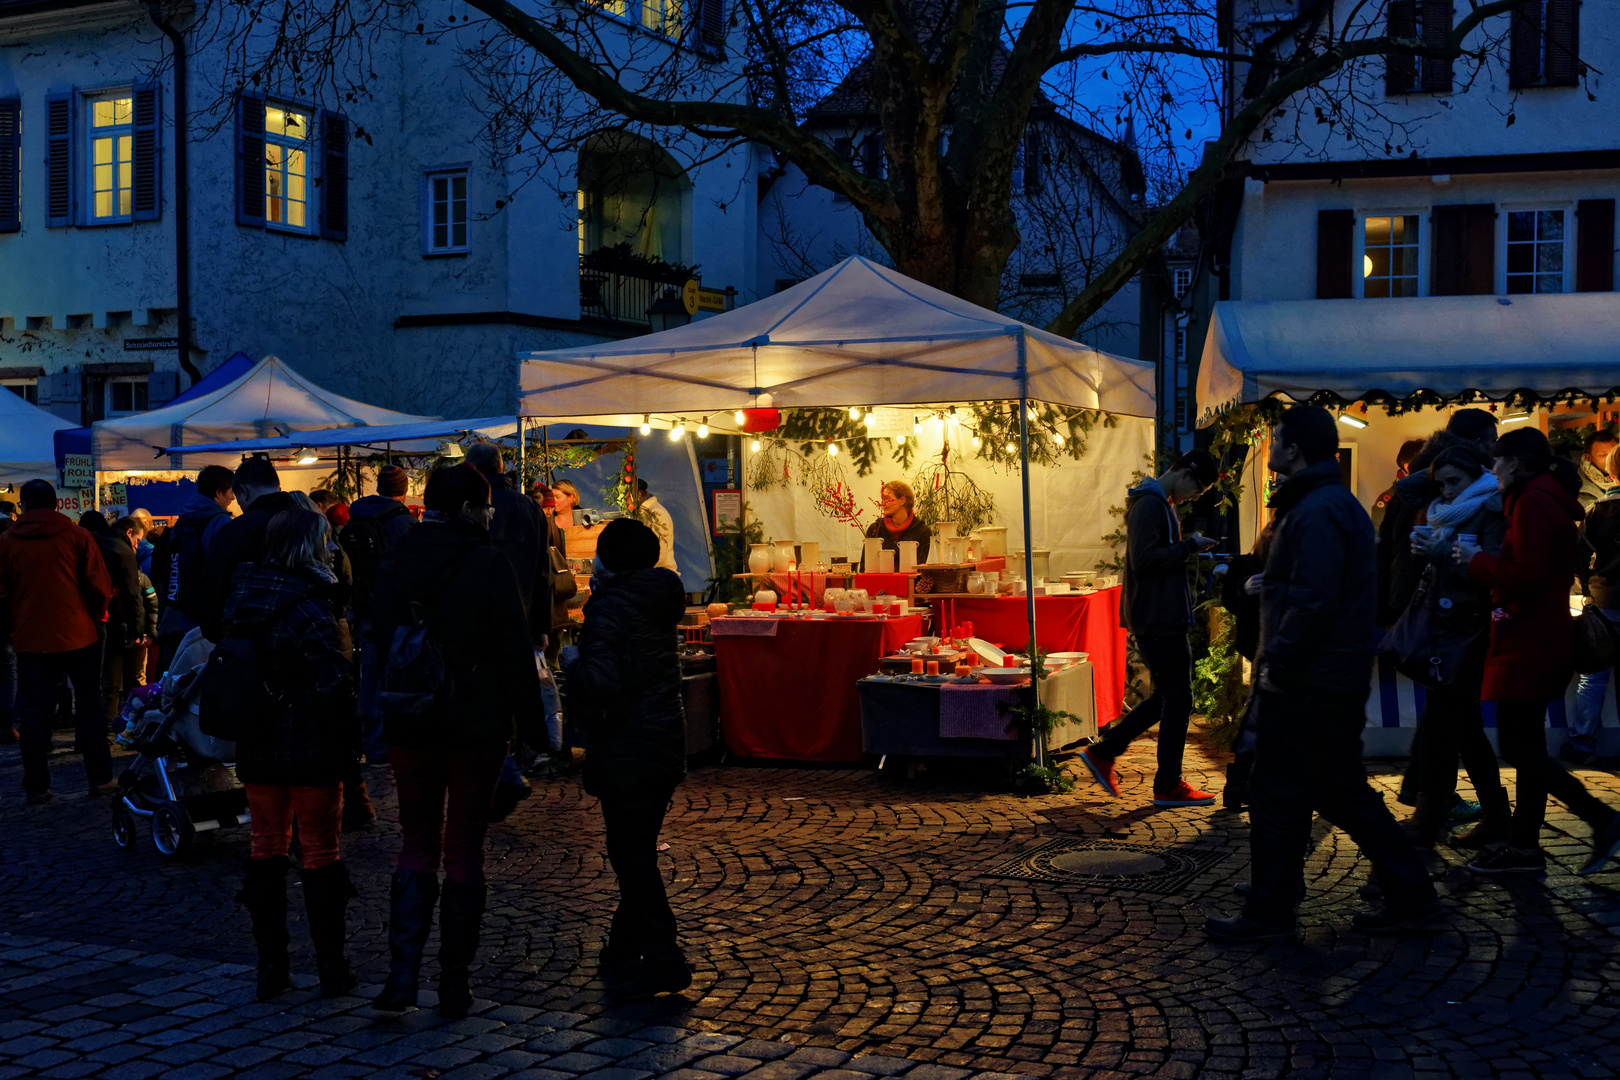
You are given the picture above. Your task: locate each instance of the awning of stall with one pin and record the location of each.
(1447, 345)
(419, 436)
(269, 400)
(856, 334)
(26, 434)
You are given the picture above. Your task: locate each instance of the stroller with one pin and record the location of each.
(181, 779)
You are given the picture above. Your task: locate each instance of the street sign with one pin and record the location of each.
(146, 344)
(78, 471)
(711, 299)
(689, 296)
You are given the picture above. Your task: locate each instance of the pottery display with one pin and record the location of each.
(945, 529)
(784, 556)
(908, 555)
(759, 559)
(885, 561)
(870, 547)
(809, 553)
(993, 541)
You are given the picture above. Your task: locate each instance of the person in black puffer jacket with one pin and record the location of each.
(294, 766)
(624, 689)
(447, 758)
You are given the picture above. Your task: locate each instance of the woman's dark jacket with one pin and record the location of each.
(1460, 607)
(288, 615)
(1602, 532)
(624, 687)
(914, 530)
(470, 594)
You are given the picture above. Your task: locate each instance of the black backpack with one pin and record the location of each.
(364, 540)
(181, 559)
(233, 696)
(415, 686)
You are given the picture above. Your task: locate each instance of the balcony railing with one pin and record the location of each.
(618, 293)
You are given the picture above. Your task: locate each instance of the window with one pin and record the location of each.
(1430, 21)
(666, 18)
(112, 149)
(447, 213)
(27, 389)
(1535, 251)
(10, 164)
(1545, 44)
(1390, 255)
(286, 167)
(1047, 282)
(125, 394)
(1181, 280)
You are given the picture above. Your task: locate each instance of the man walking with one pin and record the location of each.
(376, 523)
(1318, 609)
(126, 612)
(519, 532)
(1158, 610)
(184, 556)
(54, 592)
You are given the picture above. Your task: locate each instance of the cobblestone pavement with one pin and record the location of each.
(842, 925)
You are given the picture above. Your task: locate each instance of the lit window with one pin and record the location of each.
(112, 144)
(1535, 251)
(447, 212)
(1389, 263)
(667, 17)
(286, 167)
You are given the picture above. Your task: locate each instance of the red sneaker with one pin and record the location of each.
(1102, 769)
(1183, 794)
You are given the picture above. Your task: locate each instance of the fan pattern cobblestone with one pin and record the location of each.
(842, 927)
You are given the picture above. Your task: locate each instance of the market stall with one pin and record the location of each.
(1539, 359)
(26, 433)
(860, 335)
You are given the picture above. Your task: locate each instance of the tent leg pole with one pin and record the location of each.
(1029, 542)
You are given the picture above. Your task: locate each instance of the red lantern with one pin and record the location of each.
(756, 421)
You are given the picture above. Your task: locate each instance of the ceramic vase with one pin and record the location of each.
(809, 553)
(759, 558)
(871, 547)
(784, 556)
(908, 555)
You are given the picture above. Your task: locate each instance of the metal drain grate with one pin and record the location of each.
(1108, 864)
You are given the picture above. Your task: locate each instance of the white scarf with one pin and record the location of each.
(1445, 516)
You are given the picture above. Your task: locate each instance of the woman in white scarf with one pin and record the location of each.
(1452, 725)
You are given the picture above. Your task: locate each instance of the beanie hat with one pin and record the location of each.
(392, 481)
(627, 545)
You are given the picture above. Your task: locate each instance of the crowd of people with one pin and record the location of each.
(354, 632)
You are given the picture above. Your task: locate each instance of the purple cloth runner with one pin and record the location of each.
(972, 711)
(742, 626)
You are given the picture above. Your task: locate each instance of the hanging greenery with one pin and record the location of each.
(947, 494)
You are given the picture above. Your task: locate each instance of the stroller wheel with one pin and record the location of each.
(172, 833)
(123, 826)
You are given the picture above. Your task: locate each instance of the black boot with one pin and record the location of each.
(327, 890)
(461, 916)
(264, 894)
(1236, 792)
(1496, 813)
(410, 917)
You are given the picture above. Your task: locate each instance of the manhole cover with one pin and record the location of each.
(1110, 865)
(1107, 863)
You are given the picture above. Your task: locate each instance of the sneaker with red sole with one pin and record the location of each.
(1102, 770)
(1183, 794)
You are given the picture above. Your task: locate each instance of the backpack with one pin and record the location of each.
(415, 685)
(233, 697)
(364, 540)
(181, 559)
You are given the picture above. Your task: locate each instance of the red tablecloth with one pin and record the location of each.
(893, 584)
(1085, 622)
(793, 696)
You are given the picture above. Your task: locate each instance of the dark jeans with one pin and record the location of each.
(444, 795)
(1169, 659)
(1307, 757)
(38, 676)
(643, 925)
(372, 741)
(113, 667)
(8, 690)
(1453, 725)
(1523, 734)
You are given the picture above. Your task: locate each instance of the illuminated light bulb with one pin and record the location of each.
(977, 442)
(676, 432)
(737, 416)
(867, 420)
(939, 423)
(854, 412)
(307, 457)
(1057, 439)
(703, 429)
(916, 427)
(1011, 447)
(1366, 266)
(899, 440)
(1350, 421)
(832, 449)
(646, 424)
(754, 446)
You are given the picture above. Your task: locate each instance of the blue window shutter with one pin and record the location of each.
(250, 159)
(10, 161)
(148, 158)
(59, 185)
(334, 129)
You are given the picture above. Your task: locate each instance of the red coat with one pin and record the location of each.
(1531, 629)
(55, 581)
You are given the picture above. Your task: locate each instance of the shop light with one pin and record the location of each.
(646, 424)
(916, 427)
(1516, 419)
(867, 420)
(1057, 439)
(899, 440)
(703, 429)
(307, 457)
(977, 442)
(1351, 421)
(854, 412)
(754, 446)
(677, 432)
(832, 449)
(1011, 447)
(738, 416)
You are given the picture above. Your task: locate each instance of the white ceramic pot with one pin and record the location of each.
(885, 561)
(871, 547)
(784, 556)
(759, 558)
(993, 541)
(945, 529)
(809, 553)
(908, 555)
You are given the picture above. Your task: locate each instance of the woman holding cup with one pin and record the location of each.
(1528, 663)
(1468, 509)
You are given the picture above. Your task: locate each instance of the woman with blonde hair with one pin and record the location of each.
(899, 522)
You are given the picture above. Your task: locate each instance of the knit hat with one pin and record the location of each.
(626, 545)
(392, 481)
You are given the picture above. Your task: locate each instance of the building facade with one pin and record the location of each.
(384, 246)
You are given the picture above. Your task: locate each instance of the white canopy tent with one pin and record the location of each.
(1446, 344)
(26, 447)
(856, 334)
(271, 399)
(403, 437)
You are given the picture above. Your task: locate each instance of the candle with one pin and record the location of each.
(917, 665)
(967, 629)
(933, 667)
(1009, 660)
(962, 670)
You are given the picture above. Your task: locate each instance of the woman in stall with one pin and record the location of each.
(899, 522)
